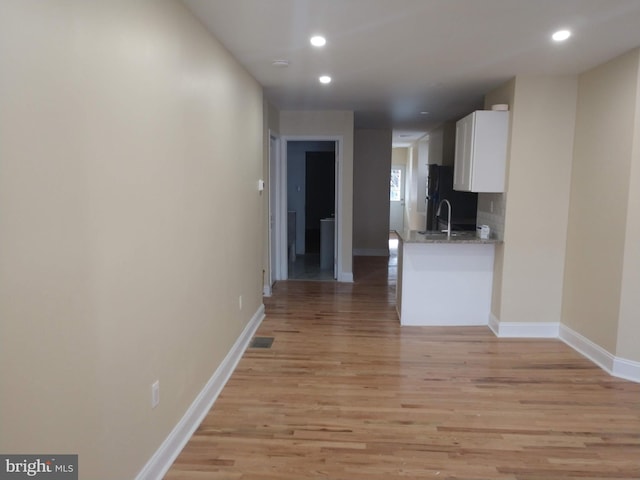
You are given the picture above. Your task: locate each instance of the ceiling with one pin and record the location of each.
(390, 60)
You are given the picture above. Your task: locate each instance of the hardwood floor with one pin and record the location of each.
(345, 393)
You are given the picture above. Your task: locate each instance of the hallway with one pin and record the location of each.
(345, 393)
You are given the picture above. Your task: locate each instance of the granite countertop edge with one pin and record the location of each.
(414, 236)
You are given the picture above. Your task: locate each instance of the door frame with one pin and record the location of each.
(279, 166)
(274, 153)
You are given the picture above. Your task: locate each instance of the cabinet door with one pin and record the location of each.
(464, 149)
(488, 159)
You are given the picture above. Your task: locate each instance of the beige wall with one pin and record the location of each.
(131, 223)
(402, 156)
(494, 217)
(371, 170)
(417, 218)
(604, 210)
(442, 143)
(399, 156)
(629, 326)
(529, 288)
(312, 124)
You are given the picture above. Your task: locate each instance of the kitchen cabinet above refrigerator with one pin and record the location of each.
(481, 152)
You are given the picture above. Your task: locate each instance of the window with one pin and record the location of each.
(396, 181)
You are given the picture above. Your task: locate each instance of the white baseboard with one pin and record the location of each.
(346, 277)
(164, 457)
(523, 329)
(586, 347)
(266, 291)
(627, 369)
(616, 366)
(370, 252)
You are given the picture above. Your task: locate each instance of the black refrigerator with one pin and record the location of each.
(464, 205)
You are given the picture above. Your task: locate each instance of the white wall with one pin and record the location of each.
(309, 124)
(131, 223)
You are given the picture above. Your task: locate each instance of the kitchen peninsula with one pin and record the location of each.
(444, 280)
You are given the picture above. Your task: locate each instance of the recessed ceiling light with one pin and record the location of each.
(561, 35)
(424, 113)
(318, 41)
(325, 79)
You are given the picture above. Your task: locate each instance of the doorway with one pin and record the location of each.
(396, 198)
(311, 208)
(283, 220)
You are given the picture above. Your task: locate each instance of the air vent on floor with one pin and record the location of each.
(261, 342)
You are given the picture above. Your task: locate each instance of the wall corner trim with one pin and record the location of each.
(163, 458)
(616, 366)
(494, 324)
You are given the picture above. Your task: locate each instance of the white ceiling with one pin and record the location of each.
(392, 59)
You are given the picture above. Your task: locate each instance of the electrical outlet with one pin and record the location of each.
(240, 302)
(155, 394)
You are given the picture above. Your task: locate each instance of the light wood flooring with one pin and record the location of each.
(345, 393)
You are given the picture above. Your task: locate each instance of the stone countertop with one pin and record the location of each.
(414, 236)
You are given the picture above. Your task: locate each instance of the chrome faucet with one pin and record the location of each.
(448, 230)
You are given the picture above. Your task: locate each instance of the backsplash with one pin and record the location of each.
(491, 211)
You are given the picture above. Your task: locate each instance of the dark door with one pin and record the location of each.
(320, 195)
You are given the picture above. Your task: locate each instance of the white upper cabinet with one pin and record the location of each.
(481, 152)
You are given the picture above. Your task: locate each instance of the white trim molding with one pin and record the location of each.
(523, 329)
(627, 369)
(616, 366)
(164, 457)
(267, 291)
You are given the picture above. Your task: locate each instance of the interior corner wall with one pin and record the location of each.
(436, 146)
(132, 143)
(416, 222)
(422, 169)
(490, 216)
(603, 209)
(310, 124)
(539, 158)
(629, 327)
(371, 173)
